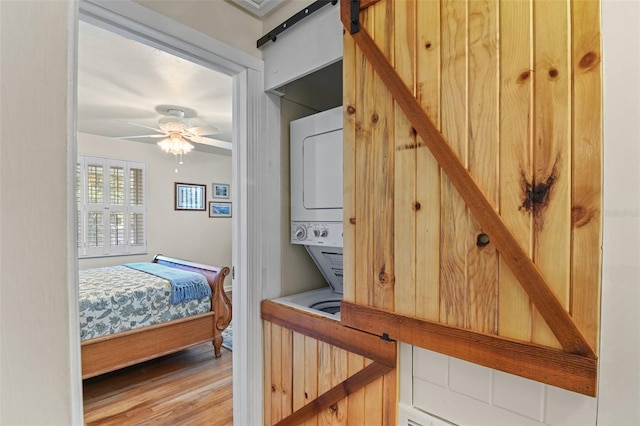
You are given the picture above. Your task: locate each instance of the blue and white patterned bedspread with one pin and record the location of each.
(118, 298)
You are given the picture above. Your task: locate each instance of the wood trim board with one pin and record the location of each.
(553, 366)
(333, 332)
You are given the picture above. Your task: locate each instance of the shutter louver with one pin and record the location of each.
(95, 230)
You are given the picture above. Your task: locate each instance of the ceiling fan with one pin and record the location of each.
(177, 132)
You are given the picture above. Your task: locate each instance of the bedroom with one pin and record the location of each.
(114, 105)
(122, 117)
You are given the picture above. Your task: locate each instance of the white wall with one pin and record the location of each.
(287, 9)
(191, 235)
(619, 392)
(219, 19)
(36, 218)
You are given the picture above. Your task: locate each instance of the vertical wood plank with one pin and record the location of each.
(287, 372)
(516, 138)
(355, 415)
(405, 165)
(267, 363)
(587, 171)
(325, 370)
(453, 244)
(349, 102)
(382, 168)
(276, 373)
(389, 398)
(427, 170)
(311, 375)
(340, 373)
(552, 154)
(482, 260)
(373, 401)
(299, 361)
(365, 103)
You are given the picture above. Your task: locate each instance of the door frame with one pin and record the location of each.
(257, 189)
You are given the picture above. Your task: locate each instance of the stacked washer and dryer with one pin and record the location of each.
(316, 205)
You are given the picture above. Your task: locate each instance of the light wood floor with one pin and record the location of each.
(191, 387)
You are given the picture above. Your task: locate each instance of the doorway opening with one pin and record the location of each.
(136, 22)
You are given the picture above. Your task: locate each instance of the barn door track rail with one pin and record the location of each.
(307, 11)
(527, 273)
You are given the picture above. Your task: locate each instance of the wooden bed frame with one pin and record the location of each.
(104, 354)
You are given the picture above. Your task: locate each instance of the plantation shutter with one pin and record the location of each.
(111, 207)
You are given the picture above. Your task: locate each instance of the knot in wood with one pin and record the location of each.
(580, 216)
(553, 73)
(416, 206)
(375, 117)
(523, 77)
(538, 194)
(588, 60)
(352, 220)
(382, 275)
(351, 110)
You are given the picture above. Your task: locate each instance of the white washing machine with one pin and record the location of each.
(324, 302)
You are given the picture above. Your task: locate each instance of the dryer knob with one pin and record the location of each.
(324, 233)
(301, 233)
(316, 233)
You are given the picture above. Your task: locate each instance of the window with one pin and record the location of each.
(111, 207)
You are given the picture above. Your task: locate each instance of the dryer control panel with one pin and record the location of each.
(317, 233)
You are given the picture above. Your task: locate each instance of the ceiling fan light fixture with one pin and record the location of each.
(175, 144)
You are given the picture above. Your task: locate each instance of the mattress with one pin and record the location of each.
(117, 298)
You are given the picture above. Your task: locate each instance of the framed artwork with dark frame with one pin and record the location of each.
(220, 190)
(219, 209)
(190, 196)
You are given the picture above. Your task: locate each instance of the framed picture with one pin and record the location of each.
(217, 209)
(220, 190)
(190, 196)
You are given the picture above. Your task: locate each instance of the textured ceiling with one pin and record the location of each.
(122, 83)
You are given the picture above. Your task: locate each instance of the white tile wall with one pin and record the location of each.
(569, 408)
(522, 396)
(468, 394)
(470, 379)
(431, 366)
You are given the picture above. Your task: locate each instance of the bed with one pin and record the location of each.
(107, 350)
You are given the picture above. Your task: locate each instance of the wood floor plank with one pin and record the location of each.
(189, 387)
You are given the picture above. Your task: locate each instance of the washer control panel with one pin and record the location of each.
(317, 233)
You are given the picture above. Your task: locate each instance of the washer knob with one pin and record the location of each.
(324, 233)
(301, 233)
(316, 233)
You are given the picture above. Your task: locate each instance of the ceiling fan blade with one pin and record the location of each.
(155, 129)
(140, 136)
(204, 130)
(211, 142)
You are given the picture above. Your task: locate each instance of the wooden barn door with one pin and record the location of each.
(473, 180)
